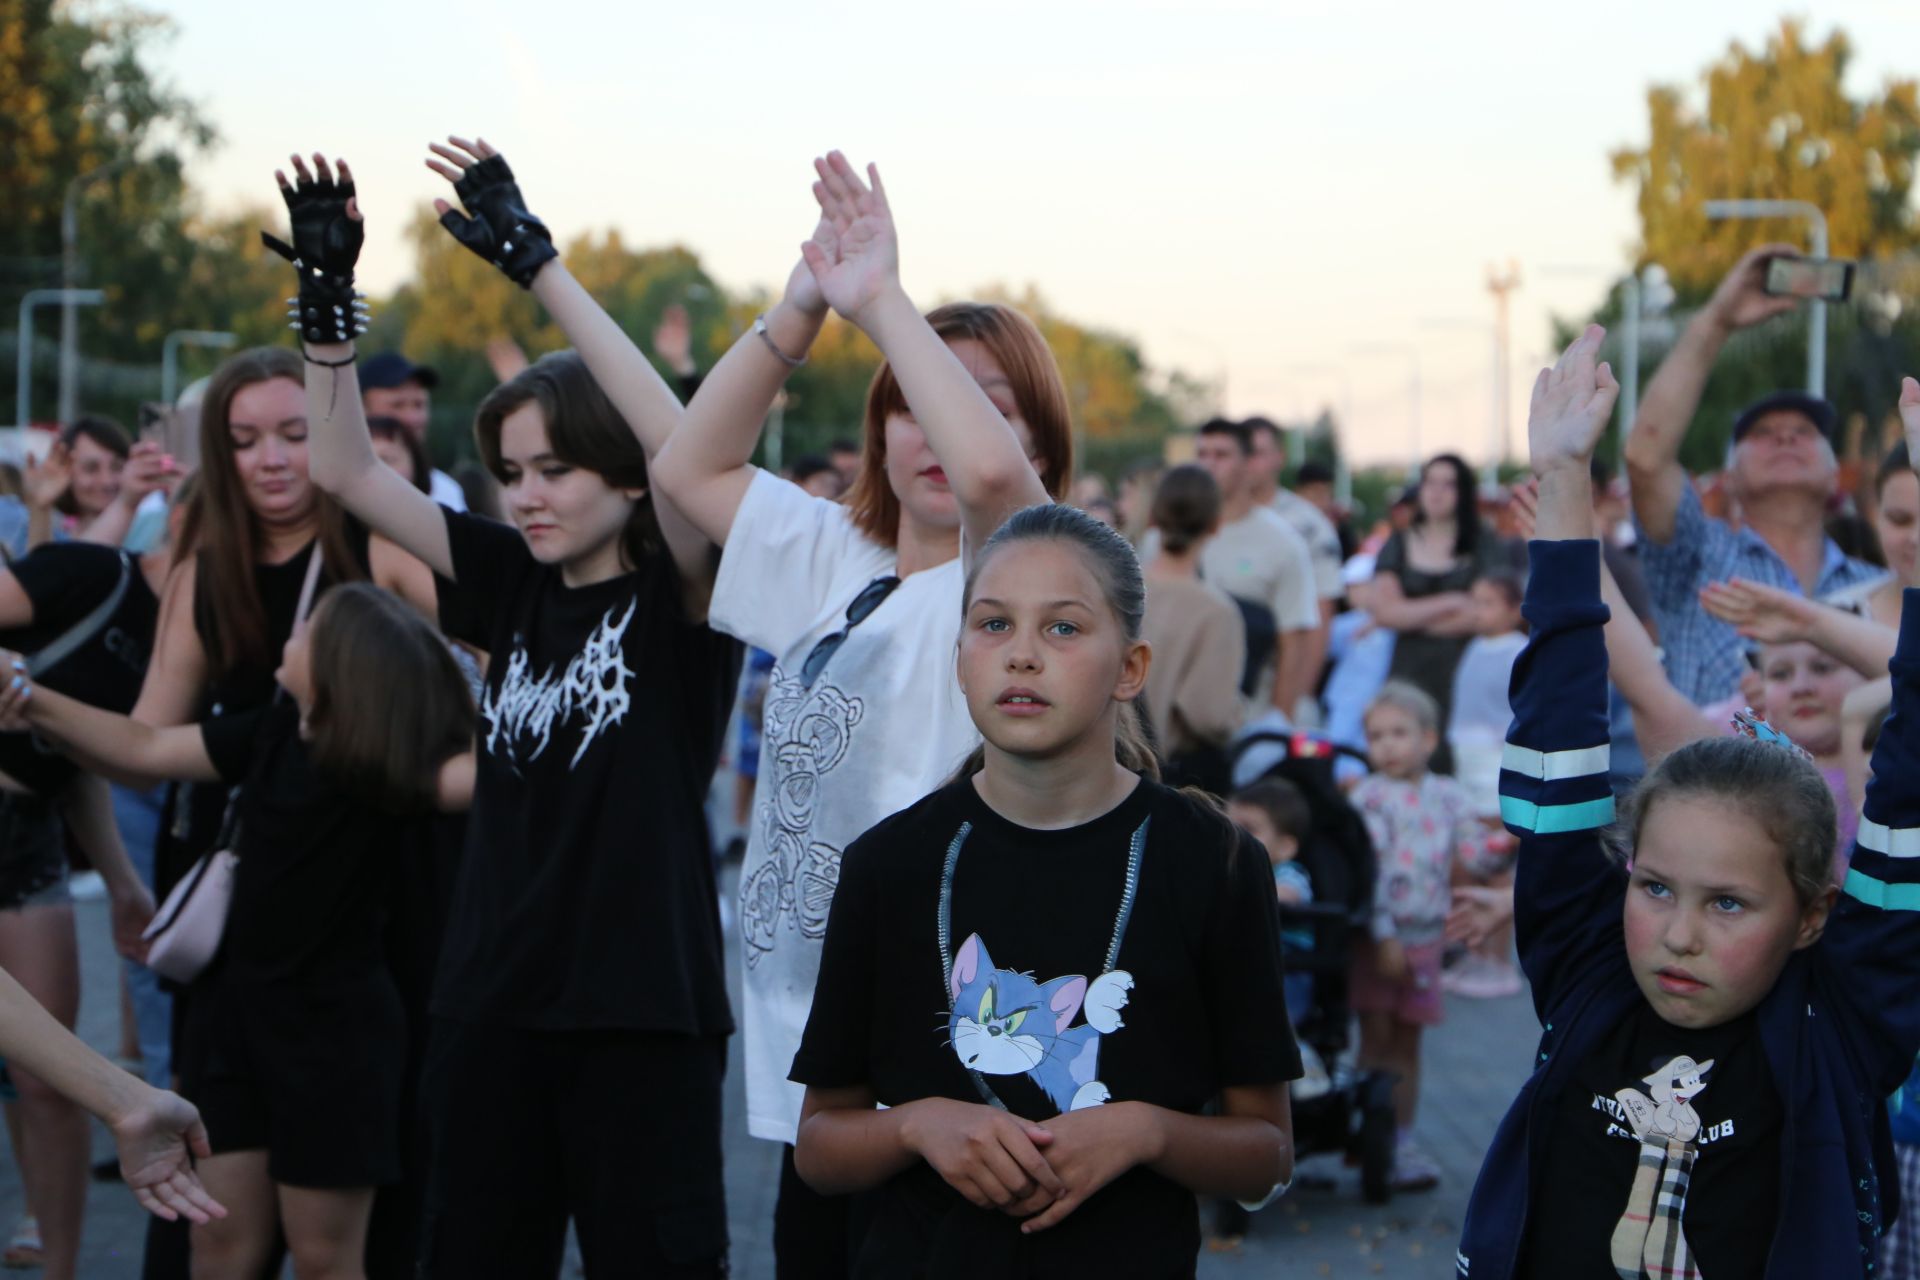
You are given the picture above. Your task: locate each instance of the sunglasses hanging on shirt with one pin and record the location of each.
(859, 611)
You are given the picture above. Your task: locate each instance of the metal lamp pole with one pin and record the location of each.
(170, 355)
(69, 279)
(1817, 234)
(23, 401)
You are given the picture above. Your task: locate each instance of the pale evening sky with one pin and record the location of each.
(1248, 189)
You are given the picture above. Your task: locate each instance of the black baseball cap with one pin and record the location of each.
(1816, 410)
(391, 369)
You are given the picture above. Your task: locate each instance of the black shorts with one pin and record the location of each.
(619, 1130)
(310, 1074)
(33, 850)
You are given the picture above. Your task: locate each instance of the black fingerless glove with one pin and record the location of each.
(326, 245)
(500, 228)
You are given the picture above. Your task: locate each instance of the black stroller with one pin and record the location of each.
(1353, 1114)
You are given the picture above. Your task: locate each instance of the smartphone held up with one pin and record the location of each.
(1814, 279)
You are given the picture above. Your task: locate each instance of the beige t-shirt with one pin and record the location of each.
(1199, 648)
(1260, 558)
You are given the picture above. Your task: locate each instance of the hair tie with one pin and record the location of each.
(1746, 723)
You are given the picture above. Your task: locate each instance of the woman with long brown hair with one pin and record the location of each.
(966, 422)
(240, 559)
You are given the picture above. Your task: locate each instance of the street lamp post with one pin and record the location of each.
(1641, 295)
(69, 280)
(170, 355)
(1817, 234)
(23, 401)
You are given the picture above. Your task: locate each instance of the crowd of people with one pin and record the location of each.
(419, 765)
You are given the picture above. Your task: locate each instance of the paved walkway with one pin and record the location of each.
(1475, 1063)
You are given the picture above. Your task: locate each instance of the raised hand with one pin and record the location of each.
(803, 291)
(861, 263)
(47, 480)
(1742, 299)
(1759, 612)
(497, 226)
(327, 234)
(1910, 416)
(149, 469)
(673, 340)
(1571, 405)
(158, 1141)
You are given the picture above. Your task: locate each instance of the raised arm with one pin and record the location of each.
(1668, 405)
(1772, 616)
(116, 745)
(859, 275)
(327, 233)
(149, 469)
(1554, 791)
(707, 467)
(496, 214)
(1663, 717)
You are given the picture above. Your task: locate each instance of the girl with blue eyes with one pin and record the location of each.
(1037, 980)
(1720, 1022)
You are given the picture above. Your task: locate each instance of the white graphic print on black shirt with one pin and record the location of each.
(592, 689)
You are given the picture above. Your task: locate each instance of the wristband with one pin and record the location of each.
(760, 328)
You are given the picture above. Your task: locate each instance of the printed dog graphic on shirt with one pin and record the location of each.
(806, 736)
(1005, 1024)
(1648, 1240)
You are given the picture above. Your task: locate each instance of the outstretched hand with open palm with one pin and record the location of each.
(860, 262)
(1572, 403)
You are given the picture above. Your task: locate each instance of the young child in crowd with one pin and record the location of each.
(1274, 812)
(1420, 821)
(1719, 1020)
(1052, 1123)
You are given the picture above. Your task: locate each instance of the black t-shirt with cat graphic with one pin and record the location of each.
(1019, 1002)
(585, 899)
(1706, 1104)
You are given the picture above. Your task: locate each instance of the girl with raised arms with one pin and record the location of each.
(580, 1008)
(1720, 1023)
(858, 600)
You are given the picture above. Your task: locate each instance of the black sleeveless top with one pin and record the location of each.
(247, 685)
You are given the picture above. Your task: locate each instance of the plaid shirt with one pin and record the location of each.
(1703, 654)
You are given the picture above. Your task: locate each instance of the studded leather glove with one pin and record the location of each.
(498, 226)
(326, 245)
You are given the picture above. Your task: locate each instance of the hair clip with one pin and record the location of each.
(1745, 722)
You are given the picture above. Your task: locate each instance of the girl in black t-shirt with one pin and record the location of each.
(1033, 1128)
(580, 1008)
(302, 1087)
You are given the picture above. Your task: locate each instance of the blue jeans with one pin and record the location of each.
(138, 815)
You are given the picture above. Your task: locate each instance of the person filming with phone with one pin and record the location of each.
(1780, 469)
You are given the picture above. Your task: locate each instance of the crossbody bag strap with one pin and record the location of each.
(49, 656)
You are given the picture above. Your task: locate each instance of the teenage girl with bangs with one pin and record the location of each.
(580, 1008)
(966, 421)
(1719, 1021)
(302, 1070)
(1104, 952)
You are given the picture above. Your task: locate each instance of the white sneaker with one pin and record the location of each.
(1413, 1169)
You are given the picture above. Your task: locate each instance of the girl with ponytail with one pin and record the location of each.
(1109, 961)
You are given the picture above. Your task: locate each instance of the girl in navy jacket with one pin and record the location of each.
(1721, 1026)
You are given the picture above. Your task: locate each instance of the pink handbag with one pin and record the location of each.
(186, 931)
